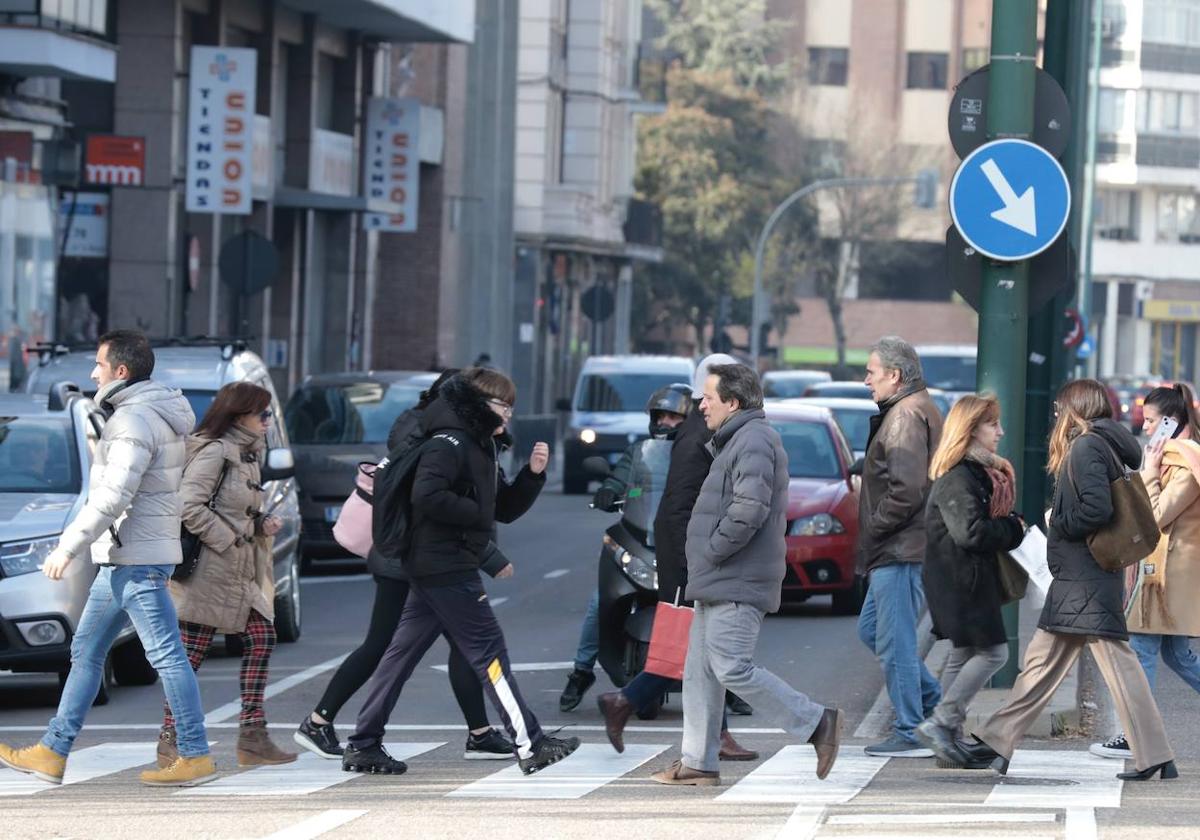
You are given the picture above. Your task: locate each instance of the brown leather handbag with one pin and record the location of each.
(1132, 533)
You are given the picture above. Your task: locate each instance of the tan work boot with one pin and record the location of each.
(255, 747)
(185, 772)
(680, 774)
(39, 760)
(168, 747)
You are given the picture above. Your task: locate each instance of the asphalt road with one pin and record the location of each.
(1056, 789)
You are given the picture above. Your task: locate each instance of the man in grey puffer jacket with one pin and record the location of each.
(131, 522)
(736, 559)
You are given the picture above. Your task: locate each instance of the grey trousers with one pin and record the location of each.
(721, 656)
(967, 671)
(1048, 659)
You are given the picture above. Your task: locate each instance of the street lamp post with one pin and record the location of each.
(926, 181)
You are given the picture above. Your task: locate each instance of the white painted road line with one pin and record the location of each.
(316, 826)
(85, 765)
(1080, 825)
(395, 727)
(557, 573)
(937, 819)
(590, 767)
(803, 824)
(790, 776)
(225, 712)
(1069, 779)
(890, 836)
(521, 667)
(307, 774)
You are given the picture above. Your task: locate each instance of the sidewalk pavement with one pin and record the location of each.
(1060, 717)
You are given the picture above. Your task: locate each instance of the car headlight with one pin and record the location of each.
(588, 436)
(641, 572)
(25, 557)
(819, 525)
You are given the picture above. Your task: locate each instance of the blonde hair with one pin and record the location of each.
(1079, 403)
(965, 416)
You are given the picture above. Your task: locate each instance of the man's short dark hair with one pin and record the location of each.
(130, 348)
(738, 382)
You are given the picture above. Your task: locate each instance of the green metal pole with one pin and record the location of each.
(1004, 307)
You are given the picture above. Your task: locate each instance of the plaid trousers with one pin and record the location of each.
(258, 640)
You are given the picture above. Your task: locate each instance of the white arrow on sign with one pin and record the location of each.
(1021, 212)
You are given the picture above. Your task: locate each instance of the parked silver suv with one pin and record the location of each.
(200, 368)
(46, 446)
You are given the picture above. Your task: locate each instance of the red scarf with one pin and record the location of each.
(1004, 481)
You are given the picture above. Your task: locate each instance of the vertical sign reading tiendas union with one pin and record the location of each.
(393, 166)
(220, 130)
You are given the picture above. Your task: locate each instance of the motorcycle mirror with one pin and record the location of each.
(280, 465)
(596, 467)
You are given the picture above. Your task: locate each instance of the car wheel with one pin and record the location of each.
(850, 601)
(130, 666)
(287, 606)
(106, 682)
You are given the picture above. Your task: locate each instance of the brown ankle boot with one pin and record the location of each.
(731, 750)
(616, 710)
(168, 749)
(255, 747)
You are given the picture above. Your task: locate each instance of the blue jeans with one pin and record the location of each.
(139, 593)
(589, 636)
(1176, 652)
(888, 626)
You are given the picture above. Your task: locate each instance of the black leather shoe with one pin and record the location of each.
(1166, 770)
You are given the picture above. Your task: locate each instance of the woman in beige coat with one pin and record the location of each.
(1163, 613)
(233, 588)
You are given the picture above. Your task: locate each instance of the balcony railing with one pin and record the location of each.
(88, 17)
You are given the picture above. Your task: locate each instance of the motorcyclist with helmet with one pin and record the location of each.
(667, 407)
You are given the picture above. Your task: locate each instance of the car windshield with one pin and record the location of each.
(621, 391)
(856, 426)
(354, 412)
(810, 449)
(786, 387)
(950, 373)
(37, 456)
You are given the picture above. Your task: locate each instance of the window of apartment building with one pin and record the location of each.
(1171, 22)
(828, 66)
(1110, 117)
(927, 70)
(1167, 111)
(1177, 220)
(1115, 214)
(973, 58)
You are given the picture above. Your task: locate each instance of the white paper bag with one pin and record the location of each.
(1031, 555)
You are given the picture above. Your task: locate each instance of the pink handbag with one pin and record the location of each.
(353, 527)
(669, 639)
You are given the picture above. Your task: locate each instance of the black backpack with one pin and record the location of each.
(391, 503)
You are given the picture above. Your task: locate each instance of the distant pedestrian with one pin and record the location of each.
(736, 561)
(969, 520)
(458, 494)
(233, 587)
(1163, 613)
(316, 732)
(1084, 604)
(891, 536)
(129, 527)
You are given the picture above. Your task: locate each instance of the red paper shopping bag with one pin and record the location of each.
(669, 640)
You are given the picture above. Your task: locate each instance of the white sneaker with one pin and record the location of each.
(1114, 747)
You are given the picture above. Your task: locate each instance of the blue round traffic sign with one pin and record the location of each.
(1010, 199)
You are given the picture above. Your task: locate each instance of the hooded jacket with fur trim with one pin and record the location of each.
(459, 491)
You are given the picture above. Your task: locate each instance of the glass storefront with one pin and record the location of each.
(27, 261)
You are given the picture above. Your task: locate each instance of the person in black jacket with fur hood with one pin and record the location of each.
(1088, 451)
(459, 492)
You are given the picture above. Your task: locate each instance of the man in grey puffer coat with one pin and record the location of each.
(736, 559)
(131, 522)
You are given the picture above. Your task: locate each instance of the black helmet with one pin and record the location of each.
(675, 398)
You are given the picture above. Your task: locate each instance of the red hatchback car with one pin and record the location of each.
(822, 509)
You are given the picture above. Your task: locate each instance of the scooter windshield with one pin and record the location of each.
(647, 480)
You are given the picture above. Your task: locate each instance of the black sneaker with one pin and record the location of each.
(735, 705)
(548, 751)
(577, 684)
(493, 745)
(374, 760)
(1115, 747)
(319, 738)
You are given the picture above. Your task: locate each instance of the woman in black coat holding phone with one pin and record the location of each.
(968, 520)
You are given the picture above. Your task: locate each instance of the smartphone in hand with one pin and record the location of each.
(1165, 431)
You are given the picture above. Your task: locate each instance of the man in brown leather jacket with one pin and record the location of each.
(891, 534)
